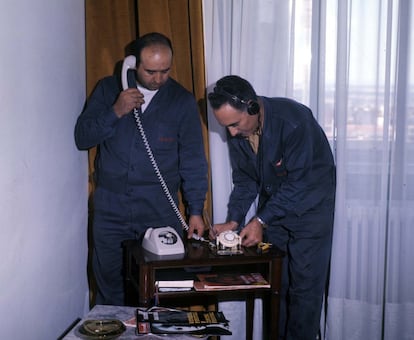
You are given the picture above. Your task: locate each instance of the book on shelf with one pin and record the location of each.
(160, 320)
(174, 279)
(174, 285)
(230, 281)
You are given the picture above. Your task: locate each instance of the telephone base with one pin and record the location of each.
(229, 252)
(148, 256)
(228, 243)
(163, 241)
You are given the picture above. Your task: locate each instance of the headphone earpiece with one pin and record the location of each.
(253, 107)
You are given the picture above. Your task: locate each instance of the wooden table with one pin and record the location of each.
(144, 268)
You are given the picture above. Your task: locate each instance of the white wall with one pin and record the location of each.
(43, 177)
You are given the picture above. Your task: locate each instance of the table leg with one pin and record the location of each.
(145, 285)
(249, 316)
(275, 286)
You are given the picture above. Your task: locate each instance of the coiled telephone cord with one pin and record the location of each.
(159, 175)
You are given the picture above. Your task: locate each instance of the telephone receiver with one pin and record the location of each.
(128, 72)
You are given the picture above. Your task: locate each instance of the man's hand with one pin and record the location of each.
(252, 233)
(196, 226)
(127, 101)
(221, 227)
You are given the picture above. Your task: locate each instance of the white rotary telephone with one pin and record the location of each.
(228, 243)
(163, 241)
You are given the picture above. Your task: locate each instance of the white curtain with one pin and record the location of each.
(351, 62)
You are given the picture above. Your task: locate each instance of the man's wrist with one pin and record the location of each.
(263, 223)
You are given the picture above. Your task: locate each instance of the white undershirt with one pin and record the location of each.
(148, 95)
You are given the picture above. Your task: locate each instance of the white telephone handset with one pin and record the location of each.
(152, 242)
(128, 78)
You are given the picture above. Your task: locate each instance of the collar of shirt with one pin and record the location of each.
(148, 95)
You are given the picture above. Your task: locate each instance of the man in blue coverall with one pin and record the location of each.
(279, 152)
(128, 197)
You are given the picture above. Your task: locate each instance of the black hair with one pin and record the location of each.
(236, 91)
(150, 39)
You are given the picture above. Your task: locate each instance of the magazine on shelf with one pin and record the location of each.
(230, 281)
(160, 320)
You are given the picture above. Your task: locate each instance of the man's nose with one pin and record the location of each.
(233, 131)
(158, 78)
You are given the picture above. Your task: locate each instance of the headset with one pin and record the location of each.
(253, 107)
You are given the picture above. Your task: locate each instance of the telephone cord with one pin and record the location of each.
(159, 175)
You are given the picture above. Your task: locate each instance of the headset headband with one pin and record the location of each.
(253, 107)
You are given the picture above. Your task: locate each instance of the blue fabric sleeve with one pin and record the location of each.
(97, 121)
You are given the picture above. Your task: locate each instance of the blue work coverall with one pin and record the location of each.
(294, 175)
(128, 197)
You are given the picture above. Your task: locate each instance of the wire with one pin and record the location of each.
(159, 175)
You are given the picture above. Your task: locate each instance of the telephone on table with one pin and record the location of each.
(163, 241)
